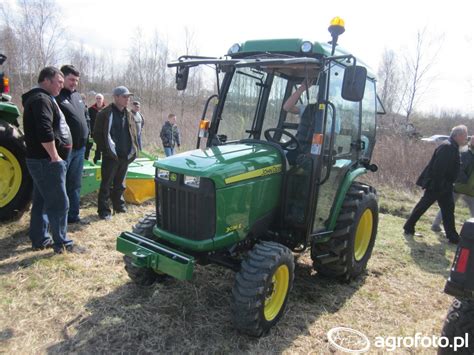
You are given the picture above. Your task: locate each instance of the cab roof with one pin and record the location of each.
(291, 46)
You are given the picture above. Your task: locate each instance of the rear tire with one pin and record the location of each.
(346, 254)
(16, 185)
(459, 323)
(261, 288)
(143, 276)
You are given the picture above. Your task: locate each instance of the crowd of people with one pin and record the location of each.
(58, 128)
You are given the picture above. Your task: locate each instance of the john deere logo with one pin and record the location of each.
(173, 177)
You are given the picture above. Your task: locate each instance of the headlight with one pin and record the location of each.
(163, 174)
(192, 181)
(234, 48)
(306, 47)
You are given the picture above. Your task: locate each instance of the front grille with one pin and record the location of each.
(185, 211)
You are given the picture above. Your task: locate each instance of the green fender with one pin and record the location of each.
(346, 184)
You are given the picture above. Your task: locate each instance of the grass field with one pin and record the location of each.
(87, 304)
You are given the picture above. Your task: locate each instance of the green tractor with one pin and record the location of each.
(265, 183)
(16, 185)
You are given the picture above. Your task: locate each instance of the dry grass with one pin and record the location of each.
(86, 303)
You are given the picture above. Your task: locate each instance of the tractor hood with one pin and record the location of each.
(226, 164)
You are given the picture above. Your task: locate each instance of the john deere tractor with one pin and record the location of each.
(264, 183)
(15, 182)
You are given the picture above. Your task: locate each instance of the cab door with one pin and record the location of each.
(345, 150)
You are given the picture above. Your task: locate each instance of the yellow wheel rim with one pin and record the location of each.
(276, 293)
(363, 234)
(10, 178)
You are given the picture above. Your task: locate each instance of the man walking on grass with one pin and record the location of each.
(437, 180)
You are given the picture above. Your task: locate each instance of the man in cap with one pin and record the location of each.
(116, 137)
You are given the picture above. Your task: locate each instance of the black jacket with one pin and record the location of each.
(102, 133)
(77, 117)
(443, 168)
(93, 111)
(43, 122)
(170, 135)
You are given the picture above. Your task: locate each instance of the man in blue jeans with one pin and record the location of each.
(170, 135)
(77, 117)
(48, 144)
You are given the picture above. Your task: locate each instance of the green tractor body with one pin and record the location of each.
(16, 185)
(263, 182)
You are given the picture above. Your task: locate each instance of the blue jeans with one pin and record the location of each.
(169, 151)
(139, 138)
(75, 165)
(50, 203)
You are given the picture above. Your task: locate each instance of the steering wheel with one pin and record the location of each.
(290, 145)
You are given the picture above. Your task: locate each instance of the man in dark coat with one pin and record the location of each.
(170, 136)
(72, 105)
(48, 145)
(437, 180)
(116, 137)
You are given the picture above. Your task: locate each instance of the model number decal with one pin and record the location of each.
(233, 228)
(269, 170)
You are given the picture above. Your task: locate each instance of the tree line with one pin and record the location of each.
(32, 36)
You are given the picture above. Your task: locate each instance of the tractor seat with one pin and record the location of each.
(304, 133)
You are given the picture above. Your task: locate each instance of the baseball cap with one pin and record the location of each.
(121, 91)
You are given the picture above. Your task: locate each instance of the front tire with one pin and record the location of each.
(16, 185)
(346, 254)
(261, 288)
(140, 275)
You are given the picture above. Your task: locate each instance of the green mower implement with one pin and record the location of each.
(265, 182)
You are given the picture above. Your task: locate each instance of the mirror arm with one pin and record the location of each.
(204, 116)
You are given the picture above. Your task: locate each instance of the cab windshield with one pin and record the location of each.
(254, 103)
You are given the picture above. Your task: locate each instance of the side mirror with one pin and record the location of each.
(353, 84)
(182, 73)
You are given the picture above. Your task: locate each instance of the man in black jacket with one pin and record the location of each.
(437, 180)
(77, 118)
(170, 135)
(48, 144)
(116, 137)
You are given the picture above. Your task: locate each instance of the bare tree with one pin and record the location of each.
(389, 77)
(417, 67)
(33, 33)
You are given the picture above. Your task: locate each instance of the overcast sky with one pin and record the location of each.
(371, 26)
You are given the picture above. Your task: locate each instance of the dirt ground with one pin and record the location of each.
(86, 303)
